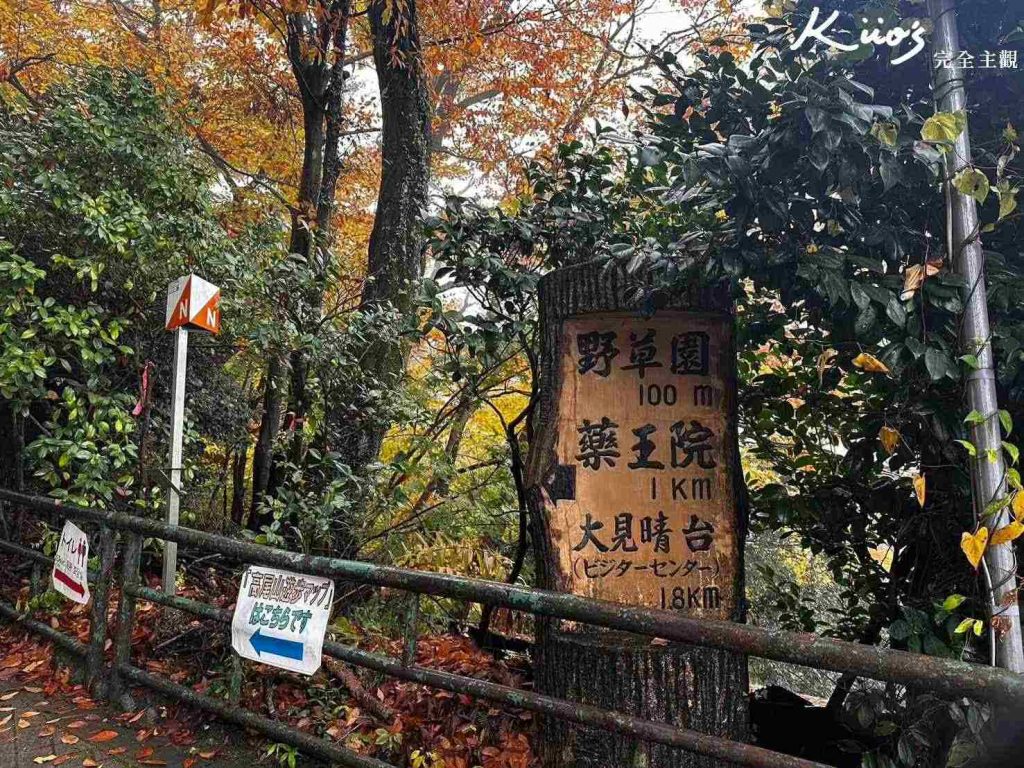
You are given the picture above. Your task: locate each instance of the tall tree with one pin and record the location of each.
(395, 261)
(315, 43)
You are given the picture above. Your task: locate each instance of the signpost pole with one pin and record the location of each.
(177, 430)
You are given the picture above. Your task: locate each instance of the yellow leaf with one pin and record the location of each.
(1006, 534)
(973, 545)
(914, 276)
(920, 484)
(825, 362)
(43, 759)
(883, 555)
(890, 438)
(1018, 506)
(870, 363)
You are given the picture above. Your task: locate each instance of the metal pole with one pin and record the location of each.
(975, 337)
(177, 430)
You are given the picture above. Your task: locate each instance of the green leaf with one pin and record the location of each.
(995, 507)
(969, 446)
(937, 363)
(971, 361)
(944, 127)
(963, 626)
(899, 630)
(885, 133)
(952, 602)
(1013, 450)
(973, 183)
(974, 417)
(1007, 201)
(1007, 421)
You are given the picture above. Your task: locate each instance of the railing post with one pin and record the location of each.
(126, 616)
(235, 678)
(98, 620)
(35, 581)
(410, 634)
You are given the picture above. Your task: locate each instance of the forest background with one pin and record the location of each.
(377, 188)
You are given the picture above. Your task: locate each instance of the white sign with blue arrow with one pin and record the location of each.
(280, 618)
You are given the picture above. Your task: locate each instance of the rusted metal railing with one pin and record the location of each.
(941, 676)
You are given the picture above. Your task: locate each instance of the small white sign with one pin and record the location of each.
(280, 618)
(70, 564)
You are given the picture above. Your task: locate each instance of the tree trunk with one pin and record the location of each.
(692, 687)
(395, 261)
(263, 452)
(238, 484)
(12, 445)
(320, 81)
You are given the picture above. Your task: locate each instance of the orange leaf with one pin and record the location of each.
(973, 545)
(117, 751)
(1006, 534)
(914, 275)
(890, 439)
(143, 753)
(102, 736)
(69, 739)
(920, 485)
(89, 763)
(870, 363)
(1017, 505)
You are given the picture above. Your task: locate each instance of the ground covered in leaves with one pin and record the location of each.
(399, 722)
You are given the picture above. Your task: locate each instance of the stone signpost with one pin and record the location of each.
(636, 494)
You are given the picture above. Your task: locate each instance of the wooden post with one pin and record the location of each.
(636, 496)
(126, 617)
(98, 617)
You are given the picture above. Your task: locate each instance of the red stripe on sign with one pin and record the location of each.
(67, 581)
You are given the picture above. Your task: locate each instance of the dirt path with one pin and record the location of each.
(68, 728)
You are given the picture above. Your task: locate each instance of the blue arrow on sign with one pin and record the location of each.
(276, 646)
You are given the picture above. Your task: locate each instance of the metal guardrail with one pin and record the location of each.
(940, 676)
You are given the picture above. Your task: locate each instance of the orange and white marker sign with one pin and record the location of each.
(193, 303)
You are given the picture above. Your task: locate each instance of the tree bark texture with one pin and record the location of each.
(699, 688)
(12, 445)
(320, 81)
(395, 261)
(270, 422)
